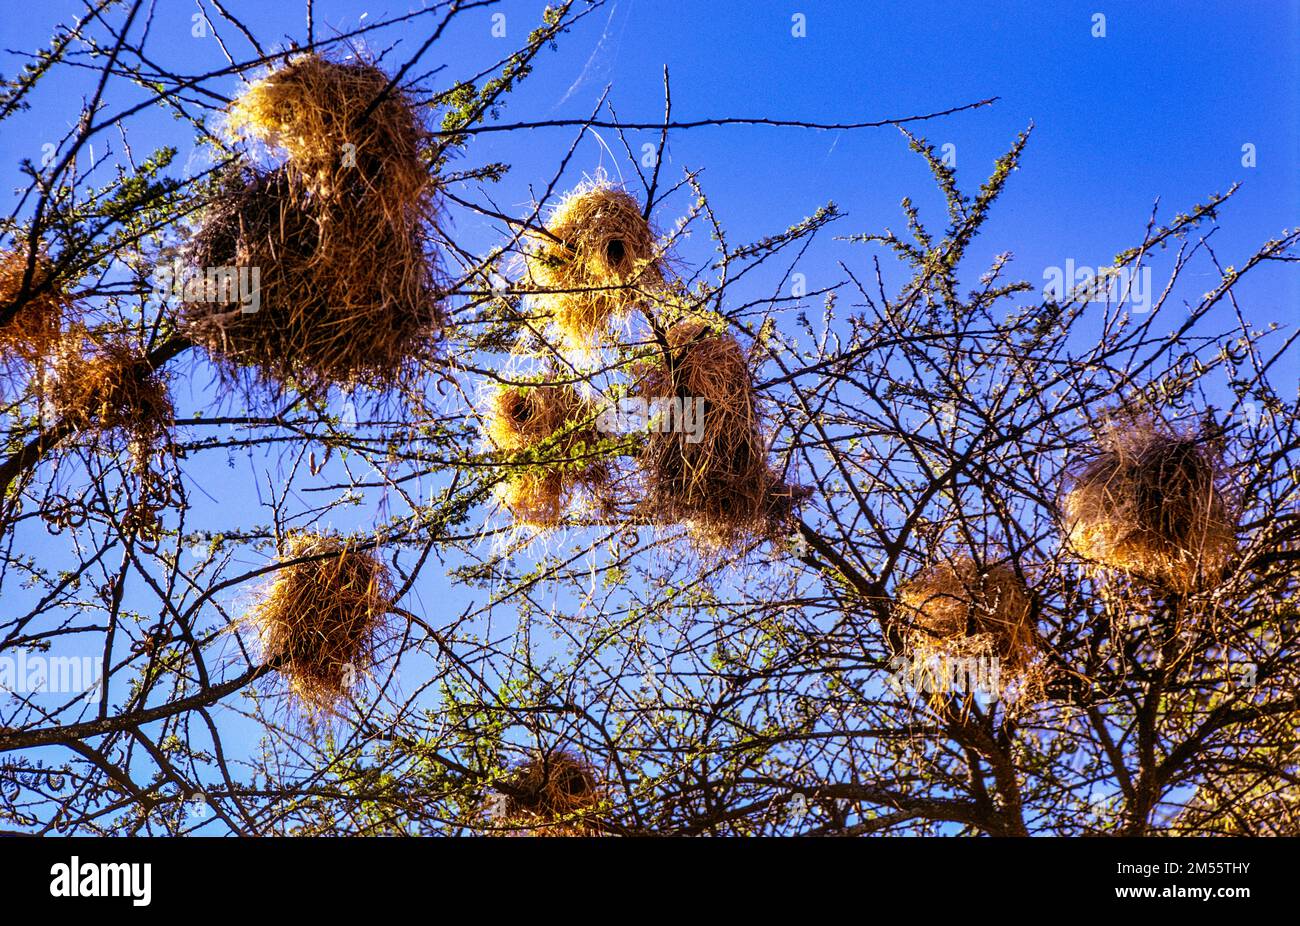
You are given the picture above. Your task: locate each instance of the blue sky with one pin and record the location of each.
(1159, 108)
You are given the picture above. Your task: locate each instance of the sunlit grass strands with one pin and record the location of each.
(320, 114)
(1150, 504)
(321, 622)
(595, 261)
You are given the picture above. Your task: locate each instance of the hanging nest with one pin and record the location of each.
(552, 427)
(348, 292)
(957, 610)
(1149, 505)
(32, 333)
(106, 387)
(596, 259)
(344, 297)
(554, 794)
(320, 623)
(321, 115)
(720, 485)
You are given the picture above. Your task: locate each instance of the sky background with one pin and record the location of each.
(1158, 109)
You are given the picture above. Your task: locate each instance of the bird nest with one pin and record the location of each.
(549, 431)
(32, 332)
(953, 612)
(107, 387)
(716, 479)
(321, 621)
(346, 290)
(1150, 504)
(595, 260)
(554, 793)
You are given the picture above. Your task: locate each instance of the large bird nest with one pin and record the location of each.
(721, 484)
(324, 116)
(553, 793)
(549, 429)
(596, 259)
(321, 622)
(32, 332)
(1151, 505)
(955, 611)
(338, 232)
(345, 297)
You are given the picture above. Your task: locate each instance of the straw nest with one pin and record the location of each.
(322, 115)
(957, 610)
(1149, 505)
(104, 386)
(32, 333)
(552, 428)
(594, 262)
(720, 485)
(344, 298)
(320, 622)
(554, 794)
(347, 291)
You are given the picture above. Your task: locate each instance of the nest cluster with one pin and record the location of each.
(320, 623)
(347, 292)
(596, 260)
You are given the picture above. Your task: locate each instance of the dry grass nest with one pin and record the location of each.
(338, 234)
(553, 428)
(720, 485)
(554, 794)
(320, 623)
(596, 259)
(956, 610)
(33, 331)
(1150, 504)
(321, 115)
(104, 386)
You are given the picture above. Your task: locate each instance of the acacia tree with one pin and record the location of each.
(756, 690)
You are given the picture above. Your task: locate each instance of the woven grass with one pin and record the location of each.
(596, 260)
(104, 387)
(320, 622)
(1149, 504)
(721, 485)
(321, 115)
(32, 333)
(554, 794)
(552, 429)
(339, 233)
(957, 610)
